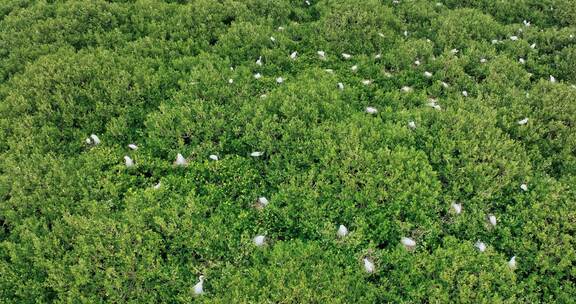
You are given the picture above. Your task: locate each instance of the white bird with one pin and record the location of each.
(341, 86)
(198, 288)
(492, 219)
(307, 2)
(133, 146)
(378, 56)
(95, 139)
(483, 60)
(259, 240)
(272, 39)
(230, 81)
(405, 33)
(280, 28)
(513, 38)
(454, 51)
(381, 35)
(526, 23)
(524, 187)
(259, 61)
(256, 154)
(552, 79)
(279, 80)
(366, 82)
(368, 265)
(445, 85)
(523, 121)
(293, 55)
(354, 68)
(321, 54)
(129, 162)
(213, 157)
(412, 124)
(522, 60)
(262, 202)
(457, 208)
(346, 56)
(342, 231)
(533, 46)
(432, 103)
(408, 242)
(371, 110)
(512, 263)
(257, 75)
(263, 96)
(331, 71)
(180, 160)
(157, 186)
(417, 62)
(88, 140)
(494, 41)
(406, 89)
(481, 246)
(427, 74)
(465, 93)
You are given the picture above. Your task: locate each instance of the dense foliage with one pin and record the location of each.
(79, 226)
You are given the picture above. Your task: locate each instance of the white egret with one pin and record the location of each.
(465, 93)
(406, 89)
(552, 79)
(262, 202)
(523, 121)
(368, 265)
(371, 110)
(133, 146)
(513, 38)
(259, 61)
(321, 54)
(293, 55)
(524, 187)
(341, 86)
(95, 139)
(279, 80)
(259, 240)
(180, 160)
(157, 186)
(128, 161)
(408, 243)
(256, 154)
(457, 208)
(492, 219)
(257, 75)
(427, 74)
(346, 56)
(342, 231)
(199, 287)
(512, 263)
(481, 246)
(366, 82)
(213, 157)
(412, 125)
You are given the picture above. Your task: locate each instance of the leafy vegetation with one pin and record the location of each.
(78, 225)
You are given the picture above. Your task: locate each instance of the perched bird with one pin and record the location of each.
(371, 110)
(512, 263)
(523, 121)
(427, 74)
(354, 68)
(483, 60)
(417, 62)
(366, 82)
(445, 85)
(157, 186)
(524, 187)
(133, 146)
(180, 160)
(279, 80)
(522, 60)
(494, 41)
(262, 202)
(492, 220)
(341, 86)
(513, 38)
(95, 139)
(321, 54)
(259, 240)
(257, 75)
(412, 125)
(88, 140)
(526, 23)
(552, 79)
(465, 93)
(342, 231)
(293, 55)
(331, 71)
(457, 208)
(230, 81)
(346, 56)
(432, 102)
(481, 246)
(381, 35)
(259, 61)
(213, 157)
(533, 46)
(256, 154)
(406, 89)
(272, 39)
(368, 265)
(198, 288)
(128, 161)
(378, 56)
(408, 243)
(405, 33)
(280, 28)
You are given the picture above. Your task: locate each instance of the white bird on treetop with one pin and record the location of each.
(427, 74)
(412, 125)
(128, 161)
(342, 231)
(95, 139)
(257, 75)
(279, 80)
(368, 265)
(512, 263)
(133, 146)
(199, 288)
(262, 202)
(157, 186)
(371, 110)
(492, 219)
(259, 61)
(408, 242)
(524, 187)
(457, 208)
(256, 154)
(481, 246)
(259, 240)
(523, 121)
(346, 56)
(180, 160)
(213, 157)
(293, 55)
(341, 86)
(321, 54)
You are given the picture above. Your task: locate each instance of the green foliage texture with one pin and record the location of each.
(78, 226)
